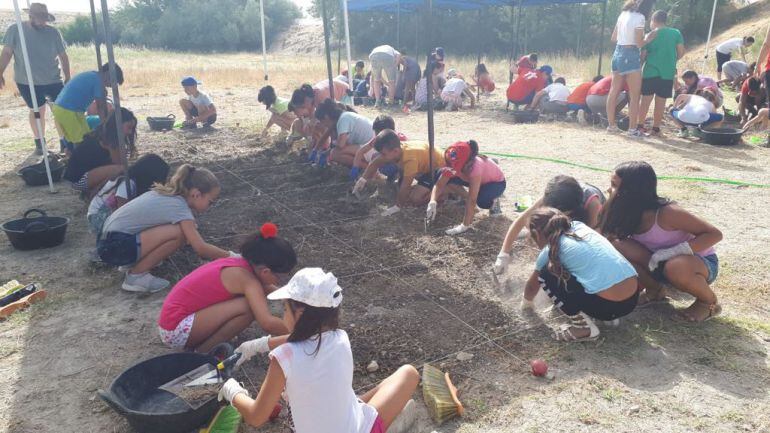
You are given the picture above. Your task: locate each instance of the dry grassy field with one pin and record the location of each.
(412, 295)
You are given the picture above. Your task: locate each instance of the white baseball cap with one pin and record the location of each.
(311, 286)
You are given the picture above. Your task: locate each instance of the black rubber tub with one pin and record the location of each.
(35, 175)
(134, 394)
(31, 233)
(526, 116)
(161, 123)
(721, 136)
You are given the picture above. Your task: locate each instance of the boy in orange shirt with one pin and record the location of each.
(576, 102)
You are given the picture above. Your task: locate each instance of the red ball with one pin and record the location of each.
(539, 367)
(268, 230)
(276, 411)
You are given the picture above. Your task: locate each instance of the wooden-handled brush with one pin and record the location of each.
(440, 395)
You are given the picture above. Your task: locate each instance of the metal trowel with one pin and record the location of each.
(207, 374)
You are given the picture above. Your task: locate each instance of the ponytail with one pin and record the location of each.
(552, 224)
(186, 178)
(474, 146)
(300, 95)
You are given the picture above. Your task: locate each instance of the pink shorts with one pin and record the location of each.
(377, 426)
(177, 337)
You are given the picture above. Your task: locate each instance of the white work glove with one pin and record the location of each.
(251, 348)
(526, 304)
(682, 249)
(501, 263)
(430, 213)
(234, 255)
(456, 230)
(391, 210)
(230, 389)
(359, 186)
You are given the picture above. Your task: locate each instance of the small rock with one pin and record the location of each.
(463, 356)
(550, 375)
(372, 367)
(632, 410)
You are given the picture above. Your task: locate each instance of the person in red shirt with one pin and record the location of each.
(596, 100)
(764, 56)
(576, 102)
(751, 98)
(524, 87)
(527, 63)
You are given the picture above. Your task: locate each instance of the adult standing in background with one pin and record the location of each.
(659, 70)
(627, 62)
(384, 59)
(726, 48)
(44, 45)
(764, 58)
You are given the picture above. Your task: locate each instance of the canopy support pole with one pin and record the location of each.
(115, 93)
(518, 27)
(264, 41)
(31, 83)
(601, 37)
(97, 43)
(347, 42)
(580, 28)
(429, 84)
(478, 60)
(398, 24)
(327, 49)
(510, 52)
(708, 39)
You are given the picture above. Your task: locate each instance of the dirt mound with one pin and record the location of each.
(303, 37)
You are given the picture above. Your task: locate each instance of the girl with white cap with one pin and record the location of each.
(315, 368)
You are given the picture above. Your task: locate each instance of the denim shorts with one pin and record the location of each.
(119, 249)
(713, 118)
(712, 264)
(626, 60)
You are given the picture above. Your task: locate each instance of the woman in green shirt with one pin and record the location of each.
(660, 55)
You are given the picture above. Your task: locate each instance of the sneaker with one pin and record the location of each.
(38, 147)
(643, 130)
(612, 129)
(495, 209)
(634, 133)
(581, 117)
(683, 133)
(405, 420)
(144, 283)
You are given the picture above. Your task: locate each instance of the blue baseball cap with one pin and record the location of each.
(547, 69)
(190, 81)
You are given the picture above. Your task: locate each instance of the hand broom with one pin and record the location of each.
(440, 395)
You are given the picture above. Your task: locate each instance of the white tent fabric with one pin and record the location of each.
(31, 83)
(347, 41)
(264, 42)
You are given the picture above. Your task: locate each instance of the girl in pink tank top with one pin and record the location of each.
(218, 300)
(665, 243)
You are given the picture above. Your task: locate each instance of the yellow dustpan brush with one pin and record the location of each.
(440, 395)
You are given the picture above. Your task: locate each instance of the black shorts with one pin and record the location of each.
(50, 91)
(425, 180)
(658, 86)
(209, 121)
(722, 58)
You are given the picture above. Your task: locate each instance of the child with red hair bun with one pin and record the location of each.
(484, 180)
(218, 300)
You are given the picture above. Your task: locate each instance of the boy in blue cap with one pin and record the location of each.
(197, 106)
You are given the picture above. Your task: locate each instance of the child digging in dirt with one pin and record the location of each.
(663, 241)
(582, 273)
(150, 228)
(579, 201)
(197, 106)
(314, 370)
(218, 300)
(97, 158)
(466, 169)
(367, 153)
(278, 108)
(147, 171)
(413, 159)
(352, 129)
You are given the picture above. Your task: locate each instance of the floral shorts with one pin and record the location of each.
(177, 337)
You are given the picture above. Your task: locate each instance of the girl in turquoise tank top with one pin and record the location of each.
(666, 244)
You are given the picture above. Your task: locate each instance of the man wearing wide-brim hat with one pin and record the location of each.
(44, 46)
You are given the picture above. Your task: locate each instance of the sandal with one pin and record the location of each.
(713, 310)
(581, 321)
(646, 298)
